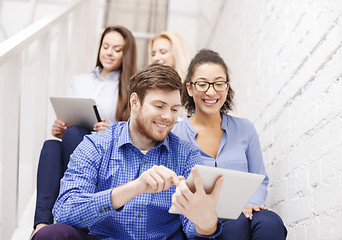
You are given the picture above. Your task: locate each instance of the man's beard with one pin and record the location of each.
(146, 131)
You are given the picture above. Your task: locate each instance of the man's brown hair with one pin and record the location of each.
(154, 76)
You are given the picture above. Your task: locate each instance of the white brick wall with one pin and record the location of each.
(286, 64)
(285, 59)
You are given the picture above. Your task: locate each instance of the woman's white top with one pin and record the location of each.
(103, 91)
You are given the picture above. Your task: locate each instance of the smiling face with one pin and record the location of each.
(111, 52)
(210, 101)
(153, 119)
(162, 52)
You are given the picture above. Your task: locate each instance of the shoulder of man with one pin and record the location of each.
(183, 144)
(184, 153)
(112, 134)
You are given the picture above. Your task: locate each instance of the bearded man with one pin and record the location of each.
(120, 183)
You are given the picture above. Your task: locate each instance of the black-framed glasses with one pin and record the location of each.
(202, 86)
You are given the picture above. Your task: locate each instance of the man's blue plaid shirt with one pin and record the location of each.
(106, 160)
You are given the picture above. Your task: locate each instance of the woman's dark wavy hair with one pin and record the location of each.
(205, 56)
(128, 68)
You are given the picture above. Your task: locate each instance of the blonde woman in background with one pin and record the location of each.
(168, 48)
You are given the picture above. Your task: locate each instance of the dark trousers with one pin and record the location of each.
(61, 231)
(53, 161)
(265, 225)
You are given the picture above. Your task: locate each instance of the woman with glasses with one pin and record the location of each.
(226, 142)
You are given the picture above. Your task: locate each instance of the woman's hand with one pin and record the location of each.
(248, 211)
(58, 128)
(101, 126)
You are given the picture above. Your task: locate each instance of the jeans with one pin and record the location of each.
(265, 225)
(53, 161)
(61, 231)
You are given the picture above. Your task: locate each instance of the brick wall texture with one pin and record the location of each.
(285, 60)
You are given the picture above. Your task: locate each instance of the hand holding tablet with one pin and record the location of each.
(76, 111)
(237, 189)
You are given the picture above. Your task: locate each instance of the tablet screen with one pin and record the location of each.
(237, 189)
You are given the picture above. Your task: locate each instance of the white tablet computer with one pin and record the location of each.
(76, 111)
(237, 189)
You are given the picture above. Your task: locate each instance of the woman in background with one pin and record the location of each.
(107, 85)
(168, 48)
(226, 142)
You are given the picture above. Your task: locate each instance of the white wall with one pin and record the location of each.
(47, 54)
(285, 59)
(182, 19)
(18, 14)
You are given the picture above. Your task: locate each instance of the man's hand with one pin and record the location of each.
(248, 211)
(58, 128)
(155, 179)
(199, 207)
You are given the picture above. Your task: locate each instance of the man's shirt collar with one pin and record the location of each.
(125, 138)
